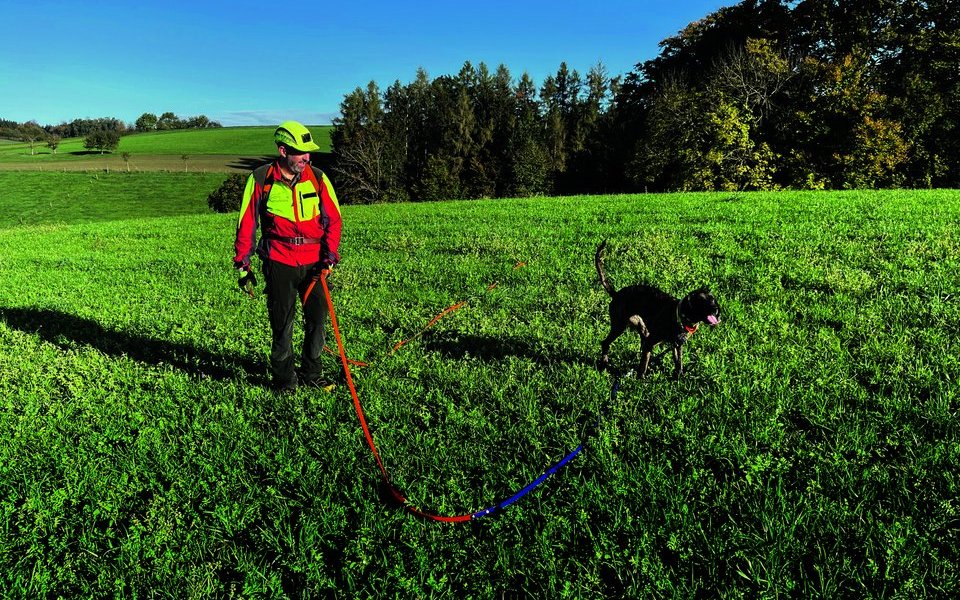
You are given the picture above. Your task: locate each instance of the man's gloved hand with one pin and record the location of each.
(321, 270)
(327, 265)
(247, 281)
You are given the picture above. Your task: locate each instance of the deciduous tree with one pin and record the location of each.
(31, 133)
(53, 142)
(102, 140)
(168, 120)
(146, 122)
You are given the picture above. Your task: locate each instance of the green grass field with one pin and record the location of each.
(810, 450)
(208, 150)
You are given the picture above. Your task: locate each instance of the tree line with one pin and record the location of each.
(765, 94)
(168, 121)
(101, 134)
(473, 135)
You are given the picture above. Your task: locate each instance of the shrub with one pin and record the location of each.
(229, 195)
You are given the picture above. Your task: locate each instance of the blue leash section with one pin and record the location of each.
(531, 486)
(536, 482)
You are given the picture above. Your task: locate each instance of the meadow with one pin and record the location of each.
(810, 450)
(215, 150)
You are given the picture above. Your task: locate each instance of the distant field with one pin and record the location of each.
(242, 141)
(207, 150)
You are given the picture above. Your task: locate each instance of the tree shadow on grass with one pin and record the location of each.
(66, 331)
(249, 163)
(321, 160)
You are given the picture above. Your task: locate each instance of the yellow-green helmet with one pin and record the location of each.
(296, 136)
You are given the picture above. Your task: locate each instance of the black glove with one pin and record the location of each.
(329, 260)
(318, 270)
(247, 282)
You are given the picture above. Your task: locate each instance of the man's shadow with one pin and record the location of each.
(66, 331)
(321, 160)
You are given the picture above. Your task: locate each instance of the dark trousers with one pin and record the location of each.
(285, 287)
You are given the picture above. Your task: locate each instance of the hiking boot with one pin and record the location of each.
(319, 383)
(285, 387)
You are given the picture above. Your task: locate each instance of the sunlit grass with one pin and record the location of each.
(810, 450)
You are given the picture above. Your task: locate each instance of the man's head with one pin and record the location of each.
(295, 144)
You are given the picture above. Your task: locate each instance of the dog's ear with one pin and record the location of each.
(702, 290)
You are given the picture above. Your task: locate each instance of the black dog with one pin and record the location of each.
(656, 316)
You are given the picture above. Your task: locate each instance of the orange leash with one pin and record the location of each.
(346, 370)
(450, 309)
(363, 421)
(432, 322)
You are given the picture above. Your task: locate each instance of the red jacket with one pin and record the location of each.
(300, 225)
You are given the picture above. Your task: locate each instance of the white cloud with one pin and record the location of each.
(272, 117)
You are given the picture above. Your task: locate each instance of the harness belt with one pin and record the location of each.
(296, 241)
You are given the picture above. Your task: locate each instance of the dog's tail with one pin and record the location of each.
(598, 261)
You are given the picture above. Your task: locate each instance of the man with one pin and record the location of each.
(297, 210)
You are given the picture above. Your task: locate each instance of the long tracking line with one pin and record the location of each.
(394, 492)
(450, 309)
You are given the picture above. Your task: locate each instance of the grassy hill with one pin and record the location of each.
(223, 149)
(85, 197)
(811, 449)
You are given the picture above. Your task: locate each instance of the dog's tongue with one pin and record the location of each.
(712, 320)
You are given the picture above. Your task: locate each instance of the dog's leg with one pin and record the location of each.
(677, 361)
(645, 349)
(615, 330)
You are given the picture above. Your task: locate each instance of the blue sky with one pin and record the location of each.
(250, 63)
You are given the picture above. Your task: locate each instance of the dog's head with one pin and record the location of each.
(699, 306)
